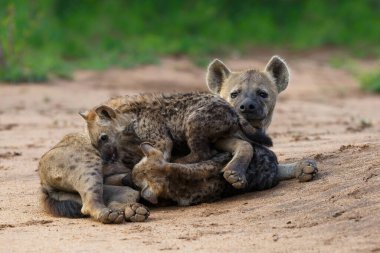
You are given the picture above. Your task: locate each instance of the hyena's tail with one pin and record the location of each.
(61, 204)
(253, 134)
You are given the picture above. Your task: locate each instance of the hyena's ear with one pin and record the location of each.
(147, 149)
(84, 114)
(279, 71)
(217, 73)
(105, 112)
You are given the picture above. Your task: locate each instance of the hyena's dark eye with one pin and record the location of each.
(262, 94)
(103, 137)
(234, 94)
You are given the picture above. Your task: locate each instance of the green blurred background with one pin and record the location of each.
(43, 38)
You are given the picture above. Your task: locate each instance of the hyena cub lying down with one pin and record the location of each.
(74, 166)
(189, 184)
(165, 120)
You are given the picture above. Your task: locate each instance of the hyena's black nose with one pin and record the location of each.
(247, 107)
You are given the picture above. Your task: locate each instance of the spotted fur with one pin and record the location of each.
(195, 119)
(75, 183)
(253, 93)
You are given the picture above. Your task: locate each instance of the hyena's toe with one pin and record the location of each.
(108, 216)
(236, 180)
(136, 212)
(307, 170)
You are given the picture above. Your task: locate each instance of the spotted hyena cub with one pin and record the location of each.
(195, 119)
(77, 182)
(253, 93)
(189, 184)
(185, 184)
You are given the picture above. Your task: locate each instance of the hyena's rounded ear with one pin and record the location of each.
(105, 112)
(217, 73)
(84, 114)
(147, 148)
(279, 71)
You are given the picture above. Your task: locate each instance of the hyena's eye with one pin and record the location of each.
(262, 94)
(103, 137)
(234, 94)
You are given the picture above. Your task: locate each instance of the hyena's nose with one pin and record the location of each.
(247, 107)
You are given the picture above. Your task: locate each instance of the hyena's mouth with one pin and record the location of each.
(109, 155)
(254, 116)
(114, 157)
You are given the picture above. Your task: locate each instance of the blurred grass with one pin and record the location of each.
(370, 81)
(41, 38)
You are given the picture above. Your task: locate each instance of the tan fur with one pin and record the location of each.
(246, 88)
(73, 167)
(253, 94)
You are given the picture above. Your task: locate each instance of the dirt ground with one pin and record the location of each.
(322, 115)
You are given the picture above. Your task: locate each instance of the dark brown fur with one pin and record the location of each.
(195, 119)
(188, 184)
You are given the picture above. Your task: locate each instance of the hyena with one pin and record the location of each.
(76, 182)
(189, 184)
(185, 184)
(253, 94)
(195, 119)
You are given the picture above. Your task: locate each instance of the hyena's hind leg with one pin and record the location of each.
(305, 170)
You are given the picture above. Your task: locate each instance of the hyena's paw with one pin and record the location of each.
(136, 212)
(306, 170)
(234, 177)
(108, 216)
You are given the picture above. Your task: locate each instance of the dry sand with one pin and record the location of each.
(322, 115)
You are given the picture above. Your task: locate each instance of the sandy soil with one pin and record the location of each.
(322, 115)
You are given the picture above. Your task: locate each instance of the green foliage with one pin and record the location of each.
(371, 82)
(43, 37)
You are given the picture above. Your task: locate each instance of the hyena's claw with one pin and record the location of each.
(238, 182)
(108, 216)
(240, 185)
(136, 212)
(307, 170)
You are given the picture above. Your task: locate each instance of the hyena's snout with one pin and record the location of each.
(247, 106)
(251, 109)
(108, 153)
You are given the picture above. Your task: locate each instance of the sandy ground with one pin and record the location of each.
(322, 115)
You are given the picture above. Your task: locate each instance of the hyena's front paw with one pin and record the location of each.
(234, 177)
(306, 170)
(136, 212)
(108, 216)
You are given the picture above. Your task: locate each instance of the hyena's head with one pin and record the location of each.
(150, 174)
(252, 93)
(104, 125)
